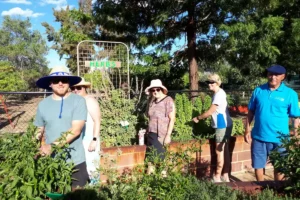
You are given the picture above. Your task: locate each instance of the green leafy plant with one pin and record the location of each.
(25, 175)
(183, 128)
(179, 184)
(289, 164)
(115, 108)
(238, 126)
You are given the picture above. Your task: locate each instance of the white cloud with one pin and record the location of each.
(63, 7)
(17, 1)
(18, 11)
(59, 4)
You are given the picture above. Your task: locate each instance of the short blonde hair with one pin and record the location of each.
(216, 78)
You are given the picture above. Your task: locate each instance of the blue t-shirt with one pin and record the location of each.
(272, 110)
(72, 108)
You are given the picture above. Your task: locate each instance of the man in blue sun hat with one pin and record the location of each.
(59, 113)
(271, 106)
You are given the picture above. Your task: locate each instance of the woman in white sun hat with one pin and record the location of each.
(161, 113)
(91, 132)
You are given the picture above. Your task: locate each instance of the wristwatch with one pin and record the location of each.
(94, 139)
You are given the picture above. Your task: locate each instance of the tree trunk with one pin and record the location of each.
(193, 67)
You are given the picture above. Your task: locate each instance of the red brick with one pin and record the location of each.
(246, 146)
(205, 150)
(139, 158)
(140, 148)
(247, 165)
(129, 149)
(107, 161)
(236, 167)
(239, 139)
(234, 157)
(244, 156)
(125, 160)
(109, 151)
(238, 146)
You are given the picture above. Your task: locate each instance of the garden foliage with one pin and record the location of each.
(186, 129)
(179, 184)
(24, 175)
(116, 108)
(289, 164)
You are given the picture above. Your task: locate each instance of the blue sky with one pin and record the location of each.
(37, 11)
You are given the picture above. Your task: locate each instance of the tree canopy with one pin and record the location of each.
(238, 39)
(76, 25)
(22, 53)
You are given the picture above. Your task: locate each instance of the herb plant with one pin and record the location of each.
(24, 175)
(115, 108)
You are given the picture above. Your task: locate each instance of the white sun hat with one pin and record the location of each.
(156, 83)
(83, 83)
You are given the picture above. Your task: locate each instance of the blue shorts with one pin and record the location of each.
(260, 152)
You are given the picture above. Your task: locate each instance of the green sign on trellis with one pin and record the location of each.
(99, 64)
(111, 58)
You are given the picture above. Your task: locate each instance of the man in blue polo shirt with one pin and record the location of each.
(271, 106)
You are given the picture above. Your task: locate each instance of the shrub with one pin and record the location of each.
(289, 164)
(238, 127)
(183, 128)
(137, 185)
(116, 108)
(24, 176)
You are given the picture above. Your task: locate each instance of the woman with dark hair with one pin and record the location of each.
(91, 133)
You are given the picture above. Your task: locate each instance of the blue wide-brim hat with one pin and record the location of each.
(59, 71)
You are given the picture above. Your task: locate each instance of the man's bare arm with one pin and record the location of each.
(247, 134)
(295, 126)
(72, 133)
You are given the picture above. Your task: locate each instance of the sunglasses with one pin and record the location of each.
(62, 80)
(155, 90)
(210, 82)
(76, 87)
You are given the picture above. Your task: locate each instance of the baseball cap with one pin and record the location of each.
(277, 69)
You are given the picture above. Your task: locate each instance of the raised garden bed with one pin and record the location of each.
(202, 163)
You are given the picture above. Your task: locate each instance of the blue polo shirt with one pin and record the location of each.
(272, 110)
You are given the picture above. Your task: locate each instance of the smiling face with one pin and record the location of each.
(157, 93)
(60, 86)
(80, 90)
(274, 79)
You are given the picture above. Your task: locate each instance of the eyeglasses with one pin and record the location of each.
(157, 90)
(62, 80)
(210, 82)
(76, 87)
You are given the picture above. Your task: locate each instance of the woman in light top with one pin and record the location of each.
(222, 123)
(91, 133)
